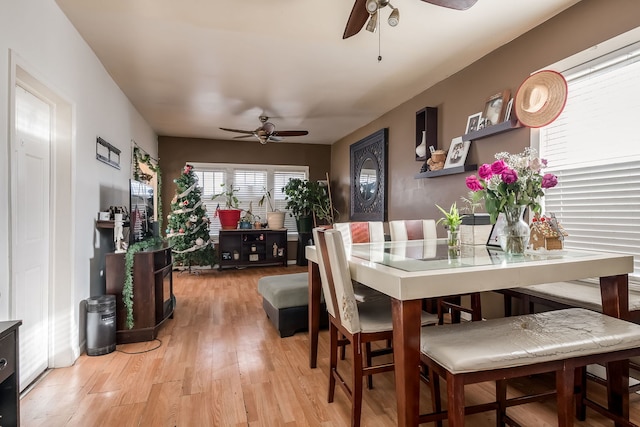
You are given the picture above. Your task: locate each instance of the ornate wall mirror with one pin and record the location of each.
(369, 177)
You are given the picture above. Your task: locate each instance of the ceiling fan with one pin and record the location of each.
(267, 132)
(368, 9)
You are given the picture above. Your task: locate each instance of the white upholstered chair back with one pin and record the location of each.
(360, 232)
(325, 272)
(342, 285)
(412, 229)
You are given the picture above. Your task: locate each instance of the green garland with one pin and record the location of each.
(127, 290)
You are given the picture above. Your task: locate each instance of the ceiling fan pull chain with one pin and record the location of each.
(379, 38)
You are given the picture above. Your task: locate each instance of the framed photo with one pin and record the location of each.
(507, 110)
(493, 241)
(473, 121)
(457, 153)
(495, 107)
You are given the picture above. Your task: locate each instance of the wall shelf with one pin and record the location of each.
(448, 171)
(492, 130)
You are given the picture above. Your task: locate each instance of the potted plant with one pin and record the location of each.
(229, 216)
(304, 199)
(475, 227)
(275, 218)
(452, 221)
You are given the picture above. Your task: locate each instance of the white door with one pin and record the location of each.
(30, 231)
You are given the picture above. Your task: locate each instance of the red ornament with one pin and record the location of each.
(186, 203)
(181, 230)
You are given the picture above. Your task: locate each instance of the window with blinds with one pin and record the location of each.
(251, 182)
(594, 149)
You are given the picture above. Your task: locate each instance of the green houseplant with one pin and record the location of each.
(230, 215)
(304, 199)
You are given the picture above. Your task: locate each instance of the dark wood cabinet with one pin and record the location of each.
(427, 121)
(9, 374)
(246, 248)
(153, 299)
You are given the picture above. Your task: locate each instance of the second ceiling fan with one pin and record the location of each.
(267, 132)
(365, 9)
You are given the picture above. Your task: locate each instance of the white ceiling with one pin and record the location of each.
(192, 66)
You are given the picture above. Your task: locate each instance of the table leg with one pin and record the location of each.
(614, 291)
(406, 356)
(314, 311)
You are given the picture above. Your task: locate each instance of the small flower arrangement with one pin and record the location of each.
(512, 180)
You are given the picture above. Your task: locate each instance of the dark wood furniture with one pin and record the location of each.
(153, 299)
(246, 248)
(427, 120)
(9, 374)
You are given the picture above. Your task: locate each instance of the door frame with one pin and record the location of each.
(63, 347)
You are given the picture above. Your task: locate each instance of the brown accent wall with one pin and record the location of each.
(586, 24)
(174, 152)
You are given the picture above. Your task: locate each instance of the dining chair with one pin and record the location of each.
(362, 232)
(425, 229)
(356, 323)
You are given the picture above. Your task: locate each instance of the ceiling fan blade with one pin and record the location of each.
(243, 136)
(290, 133)
(274, 138)
(453, 4)
(357, 19)
(250, 132)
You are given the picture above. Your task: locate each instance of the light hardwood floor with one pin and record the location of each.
(221, 363)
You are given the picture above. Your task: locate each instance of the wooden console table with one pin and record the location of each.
(153, 299)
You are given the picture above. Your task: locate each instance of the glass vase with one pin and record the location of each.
(514, 234)
(453, 238)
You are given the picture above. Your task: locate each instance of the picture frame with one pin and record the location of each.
(507, 110)
(493, 242)
(495, 107)
(457, 154)
(472, 122)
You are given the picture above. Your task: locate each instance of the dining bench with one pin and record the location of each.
(561, 341)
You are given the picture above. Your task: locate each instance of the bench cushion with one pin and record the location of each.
(577, 294)
(526, 340)
(285, 290)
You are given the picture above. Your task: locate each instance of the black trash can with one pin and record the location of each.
(101, 325)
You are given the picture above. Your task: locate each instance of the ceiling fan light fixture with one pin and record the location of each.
(373, 23)
(372, 6)
(394, 17)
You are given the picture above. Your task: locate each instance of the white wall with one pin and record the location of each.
(49, 47)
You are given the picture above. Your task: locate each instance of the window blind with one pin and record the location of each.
(594, 149)
(251, 182)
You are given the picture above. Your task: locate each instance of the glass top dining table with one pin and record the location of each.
(413, 270)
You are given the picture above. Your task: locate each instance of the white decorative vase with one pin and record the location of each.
(275, 220)
(421, 150)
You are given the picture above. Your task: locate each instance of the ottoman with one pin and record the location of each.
(285, 300)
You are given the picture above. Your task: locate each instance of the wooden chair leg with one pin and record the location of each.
(343, 349)
(455, 399)
(333, 360)
(501, 399)
(508, 305)
(476, 306)
(434, 389)
(356, 394)
(564, 390)
(368, 361)
(581, 393)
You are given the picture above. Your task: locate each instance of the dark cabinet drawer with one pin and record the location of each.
(7, 356)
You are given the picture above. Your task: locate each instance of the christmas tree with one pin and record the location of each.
(188, 225)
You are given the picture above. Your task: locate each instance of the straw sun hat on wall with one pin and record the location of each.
(541, 98)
